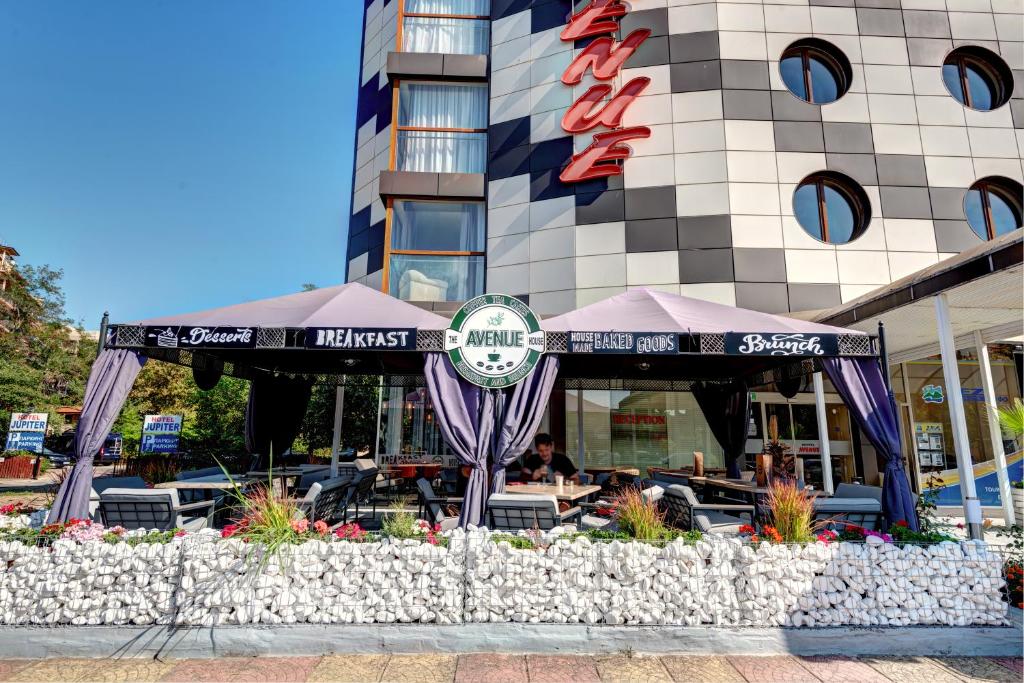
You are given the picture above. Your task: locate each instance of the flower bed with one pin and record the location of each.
(204, 580)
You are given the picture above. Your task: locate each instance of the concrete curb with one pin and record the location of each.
(314, 640)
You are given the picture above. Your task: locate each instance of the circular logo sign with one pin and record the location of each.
(494, 340)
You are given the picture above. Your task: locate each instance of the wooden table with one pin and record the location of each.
(601, 469)
(282, 473)
(747, 492)
(567, 493)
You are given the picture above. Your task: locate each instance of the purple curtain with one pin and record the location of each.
(521, 414)
(111, 378)
(726, 408)
(465, 416)
(862, 387)
(274, 415)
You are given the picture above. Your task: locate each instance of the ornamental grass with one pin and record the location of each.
(792, 512)
(639, 517)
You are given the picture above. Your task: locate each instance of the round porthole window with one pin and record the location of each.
(815, 71)
(977, 78)
(831, 207)
(993, 206)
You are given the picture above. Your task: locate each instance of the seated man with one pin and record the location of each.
(544, 464)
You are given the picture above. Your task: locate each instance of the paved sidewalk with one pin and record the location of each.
(498, 668)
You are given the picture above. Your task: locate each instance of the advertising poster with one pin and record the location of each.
(160, 434)
(26, 432)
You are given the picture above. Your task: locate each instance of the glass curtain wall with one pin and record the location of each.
(454, 27)
(442, 128)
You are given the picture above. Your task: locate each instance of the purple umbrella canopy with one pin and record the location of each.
(348, 305)
(648, 310)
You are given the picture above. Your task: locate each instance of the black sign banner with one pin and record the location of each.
(781, 344)
(197, 337)
(623, 342)
(361, 338)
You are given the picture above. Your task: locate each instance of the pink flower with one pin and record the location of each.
(960, 525)
(179, 533)
(300, 526)
(320, 526)
(229, 531)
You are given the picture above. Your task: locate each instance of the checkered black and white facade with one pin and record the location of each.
(705, 205)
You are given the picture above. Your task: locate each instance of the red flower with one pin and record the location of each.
(746, 529)
(902, 523)
(229, 531)
(179, 533)
(320, 526)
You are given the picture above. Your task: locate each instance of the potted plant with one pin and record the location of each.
(1011, 421)
(783, 462)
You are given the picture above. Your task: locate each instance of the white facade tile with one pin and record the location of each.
(605, 270)
(553, 303)
(754, 199)
(552, 213)
(811, 265)
(511, 52)
(660, 84)
(795, 166)
(702, 200)
(600, 238)
(787, 19)
(892, 109)
(795, 237)
(949, 171)
(742, 45)
(909, 235)
(547, 43)
(692, 19)
(862, 268)
(972, 26)
(509, 250)
(548, 69)
(656, 171)
(1009, 168)
(585, 297)
(945, 140)
(903, 263)
(840, 20)
(703, 105)
(649, 110)
(997, 118)
(888, 79)
(739, 17)
(508, 220)
(511, 27)
(548, 126)
(652, 268)
(717, 292)
(659, 143)
(754, 136)
(699, 136)
(701, 167)
(506, 191)
(752, 167)
(552, 275)
(507, 107)
(850, 108)
(883, 50)
(935, 110)
(992, 142)
(891, 139)
(757, 232)
(549, 97)
(850, 292)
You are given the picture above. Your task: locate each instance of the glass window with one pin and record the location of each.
(992, 207)
(805, 422)
(476, 8)
(781, 413)
(437, 226)
(815, 71)
(446, 35)
(442, 128)
(436, 278)
(977, 78)
(831, 208)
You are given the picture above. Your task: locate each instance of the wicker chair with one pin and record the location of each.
(153, 509)
(685, 512)
(514, 512)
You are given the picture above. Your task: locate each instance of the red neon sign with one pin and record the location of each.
(605, 59)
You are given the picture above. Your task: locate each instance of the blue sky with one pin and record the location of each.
(177, 155)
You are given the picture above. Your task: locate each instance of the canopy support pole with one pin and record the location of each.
(955, 399)
(825, 449)
(995, 433)
(580, 452)
(339, 415)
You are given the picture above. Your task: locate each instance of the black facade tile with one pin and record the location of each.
(652, 52)
(385, 103)
(704, 232)
(787, 107)
(693, 76)
(548, 15)
(655, 234)
(751, 105)
(1018, 84)
(759, 265)
(693, 47)
(508, 134)
(767, 297)
(745, 75)
(854, 138)
(947, 203)
(509, 162)
(375, 259)
(614, 182)
(504, 8)
(928, 51)
(544, 184)
(901, 169)
(905, 202)
(600, 207)
(654, 19)
(860, 167)
(360, 221)
(954, 236)
(798, 136)
(553, 153)
(813, 297)
(358, 243)
(375, 234)
(651, 202)
(879, 22)
(705, 265)
(926, 24)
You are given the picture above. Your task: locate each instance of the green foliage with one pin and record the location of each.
(1011, 418)
(902, 534)
(792, 511)
(360, 418)
(927, 503)
(517, 542)
(398, 522)
(639, 517)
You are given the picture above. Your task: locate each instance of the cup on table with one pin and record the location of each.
(559, 480)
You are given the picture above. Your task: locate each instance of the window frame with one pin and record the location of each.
(988, 185)
(849, 190)
(993, 72)
(805, 49)
(402, 14)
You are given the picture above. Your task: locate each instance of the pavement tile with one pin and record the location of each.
(349, 668)
(561, 669)
(841, 670)
(772, 669)
(1015, 664)
(687, 669)
(975, 669)
(491, 668)
(229, 669)
(420, 669)
(9, 667)
(635, 669)
(910, 670)
(93, 670)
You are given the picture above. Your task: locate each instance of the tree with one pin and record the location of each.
(44, 358)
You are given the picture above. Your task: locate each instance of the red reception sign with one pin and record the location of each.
(605, 59)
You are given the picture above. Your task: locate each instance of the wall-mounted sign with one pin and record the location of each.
(494, 340)
(361, 338)
(189, 337)
(932, 393)
(623, 342)
(598, 106)
(160, 434)
(781, 344)
(26, 432)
